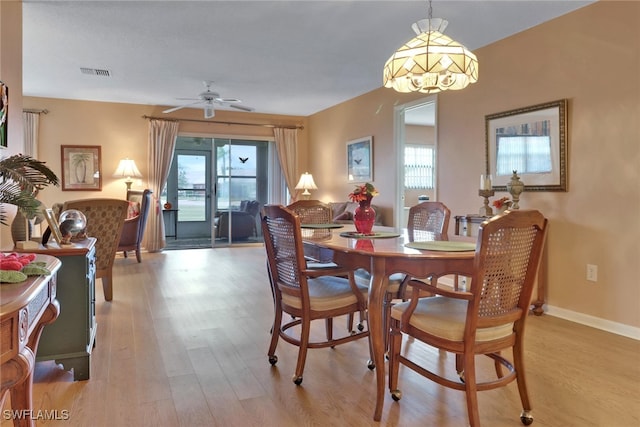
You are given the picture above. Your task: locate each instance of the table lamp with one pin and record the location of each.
(127, 169)
(306, 183)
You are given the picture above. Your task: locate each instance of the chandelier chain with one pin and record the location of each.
(430, 11)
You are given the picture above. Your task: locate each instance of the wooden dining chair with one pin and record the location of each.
(483, 320)
(314, 212)
(105, 219)
(317, 212)
(305, 294)
(427, 221)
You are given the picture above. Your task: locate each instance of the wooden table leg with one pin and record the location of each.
(377, 289)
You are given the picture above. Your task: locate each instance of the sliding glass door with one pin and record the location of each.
(241, 185)
(217, 186)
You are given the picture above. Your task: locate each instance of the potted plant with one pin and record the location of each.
(21, 178)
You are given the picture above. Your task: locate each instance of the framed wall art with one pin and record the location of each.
(81, 167)
(360, 159)
(531, 141)
(4, 114)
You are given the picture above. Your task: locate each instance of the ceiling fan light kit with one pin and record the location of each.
(209, 98)
(431, 62)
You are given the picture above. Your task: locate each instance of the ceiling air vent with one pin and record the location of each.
(95, 72)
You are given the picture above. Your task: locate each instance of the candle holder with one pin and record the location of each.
(486, 210)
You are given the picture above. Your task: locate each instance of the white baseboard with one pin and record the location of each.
(594, 322)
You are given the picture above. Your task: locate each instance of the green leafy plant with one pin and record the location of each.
(21, 178)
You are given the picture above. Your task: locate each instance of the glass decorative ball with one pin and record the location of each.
(72, 222)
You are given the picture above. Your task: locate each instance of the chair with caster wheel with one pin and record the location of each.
(303, 293)
(483, 320)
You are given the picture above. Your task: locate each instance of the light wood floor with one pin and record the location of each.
(184, 343)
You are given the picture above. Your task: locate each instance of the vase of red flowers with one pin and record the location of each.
(502, 204)
(364, 215)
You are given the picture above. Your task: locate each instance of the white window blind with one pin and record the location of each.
(418, 166)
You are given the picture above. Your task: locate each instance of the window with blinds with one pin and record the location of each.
(419, 163)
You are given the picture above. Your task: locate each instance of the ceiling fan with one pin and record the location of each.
(208, 99)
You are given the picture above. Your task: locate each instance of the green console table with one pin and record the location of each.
(71, 338)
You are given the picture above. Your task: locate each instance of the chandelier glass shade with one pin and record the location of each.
(431, 62)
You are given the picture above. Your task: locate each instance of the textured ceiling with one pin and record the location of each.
(280, 57)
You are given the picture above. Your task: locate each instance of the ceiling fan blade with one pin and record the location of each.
(171, 110)
(241, 107)
(227, 100)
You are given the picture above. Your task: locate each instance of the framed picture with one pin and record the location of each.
(81, 167)
(531, 141)
(4, 114)
(53, 225)
(360, 159)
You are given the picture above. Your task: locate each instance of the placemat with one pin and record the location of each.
(321, 226)
(376, 235)
(442, 245)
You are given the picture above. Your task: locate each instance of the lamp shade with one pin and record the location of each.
(306, 183)
(127, 169)
(431, 62)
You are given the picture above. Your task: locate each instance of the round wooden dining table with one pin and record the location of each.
(382, 254)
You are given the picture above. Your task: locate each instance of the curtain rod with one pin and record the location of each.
(224, 123)
(30, 110)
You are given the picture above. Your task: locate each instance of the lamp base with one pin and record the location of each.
(306, 195)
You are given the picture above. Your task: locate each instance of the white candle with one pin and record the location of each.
(485, 182)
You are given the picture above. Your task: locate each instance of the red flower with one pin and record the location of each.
(500, 203)
(363, 192)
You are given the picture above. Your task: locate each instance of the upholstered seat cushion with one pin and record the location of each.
(327, 293)
(445, 317)
(362, 279)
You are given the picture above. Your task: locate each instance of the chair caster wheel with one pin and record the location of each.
(360, 327)
(273, 360)
(371, 365)
(526, 418)
(297, 380)
(396, 395)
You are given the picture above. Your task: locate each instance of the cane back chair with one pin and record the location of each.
(305, 294)
(483, 320)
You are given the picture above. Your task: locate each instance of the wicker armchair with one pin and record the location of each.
(484, 320)
(105, 219)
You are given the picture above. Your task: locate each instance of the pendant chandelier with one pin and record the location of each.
(431, 62)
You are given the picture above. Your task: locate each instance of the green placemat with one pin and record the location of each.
(321, 226)
(376, 235)
(442, 245)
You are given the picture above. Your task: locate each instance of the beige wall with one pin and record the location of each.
(121, 131)
(590, 57)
